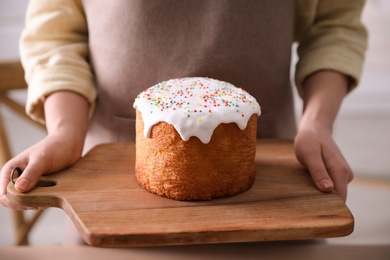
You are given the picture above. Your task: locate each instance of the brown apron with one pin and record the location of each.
(135, 44)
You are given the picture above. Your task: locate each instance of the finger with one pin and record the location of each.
(6, 172)
(31, 175)
(5, 180)
(339, 170)
(312, 159)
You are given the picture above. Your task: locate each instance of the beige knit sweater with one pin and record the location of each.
(54, 46)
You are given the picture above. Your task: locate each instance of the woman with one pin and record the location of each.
(86, 61)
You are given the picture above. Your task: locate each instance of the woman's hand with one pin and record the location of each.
(315, 147)
(66, 116)
(318, 152)
(51, 154)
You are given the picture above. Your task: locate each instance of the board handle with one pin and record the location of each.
(41, 182)
(42, 195)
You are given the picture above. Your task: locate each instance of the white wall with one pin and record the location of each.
(363, 126)
(11, 23)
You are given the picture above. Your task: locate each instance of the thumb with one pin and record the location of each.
(29, 178)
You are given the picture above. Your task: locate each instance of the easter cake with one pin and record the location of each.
(195, 139)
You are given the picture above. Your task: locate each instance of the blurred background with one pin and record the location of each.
(362, 131)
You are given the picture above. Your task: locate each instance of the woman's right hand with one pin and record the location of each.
(51, 154)
(66, 115)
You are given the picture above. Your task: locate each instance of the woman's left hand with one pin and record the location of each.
(316, 149)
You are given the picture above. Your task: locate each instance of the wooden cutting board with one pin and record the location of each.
(102, 197)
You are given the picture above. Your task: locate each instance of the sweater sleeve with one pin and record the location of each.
(54, 53)
(330, 36)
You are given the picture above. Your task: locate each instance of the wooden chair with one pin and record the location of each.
(12, 78)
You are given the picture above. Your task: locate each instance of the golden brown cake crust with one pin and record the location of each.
(191, 170)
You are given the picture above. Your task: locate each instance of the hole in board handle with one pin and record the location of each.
(41, 183)
(46, 183)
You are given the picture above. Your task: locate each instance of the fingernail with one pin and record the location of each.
(22, 184)
(326, 184)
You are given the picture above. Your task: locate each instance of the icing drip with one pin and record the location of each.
(195, 106)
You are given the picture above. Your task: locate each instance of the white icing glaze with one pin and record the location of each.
(195, 106)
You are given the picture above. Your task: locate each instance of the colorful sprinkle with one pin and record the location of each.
(178, 99)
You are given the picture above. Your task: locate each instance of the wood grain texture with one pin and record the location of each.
(110, 209)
